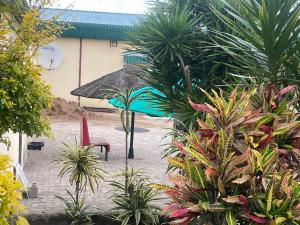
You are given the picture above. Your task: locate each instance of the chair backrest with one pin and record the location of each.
(84, 132)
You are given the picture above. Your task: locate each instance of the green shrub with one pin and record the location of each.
(83, 168)
(133, 206)
(240, 166)
(76, 210)
(10, 194)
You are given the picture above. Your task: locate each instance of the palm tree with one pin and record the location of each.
(174, 38)
(267, 39)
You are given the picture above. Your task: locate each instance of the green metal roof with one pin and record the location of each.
(94, 25)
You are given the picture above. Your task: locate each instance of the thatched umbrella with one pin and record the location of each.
(102, 88)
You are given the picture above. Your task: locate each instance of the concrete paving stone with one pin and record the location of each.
(39, 167)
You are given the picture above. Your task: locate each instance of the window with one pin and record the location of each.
(113, 44)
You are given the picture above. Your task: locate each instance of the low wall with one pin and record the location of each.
(61, 219)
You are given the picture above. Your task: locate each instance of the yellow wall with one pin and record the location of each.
(98, 59)
(65, 78)
(13, 150)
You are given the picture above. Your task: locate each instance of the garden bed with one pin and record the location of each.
(61, 219)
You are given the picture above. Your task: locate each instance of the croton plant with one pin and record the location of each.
(242, 165)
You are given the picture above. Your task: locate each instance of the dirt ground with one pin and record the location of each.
(62, 111)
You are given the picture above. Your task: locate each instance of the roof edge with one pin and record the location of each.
(92, 11)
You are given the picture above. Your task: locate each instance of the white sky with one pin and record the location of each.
(121, 6)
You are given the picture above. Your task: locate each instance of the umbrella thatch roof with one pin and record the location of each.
(102, 87)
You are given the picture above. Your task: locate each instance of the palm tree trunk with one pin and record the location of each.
(187, 74)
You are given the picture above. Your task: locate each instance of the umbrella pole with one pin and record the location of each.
(131, 152)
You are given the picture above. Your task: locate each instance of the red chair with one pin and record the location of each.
(85, 138)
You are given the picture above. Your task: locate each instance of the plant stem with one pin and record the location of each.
(77, 190)
(187, 74)
(126, 152)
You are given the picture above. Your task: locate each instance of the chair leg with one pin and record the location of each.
(106, 153)
(101, 149)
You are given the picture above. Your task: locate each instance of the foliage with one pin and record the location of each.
(82, 166)
(23, 94)
(12, 8)
(76, 210)
(125, 97)
(174, 40)
(10, 194)
(133, 198)
(240, 166)
(286, 132)
(133, 204)
(266, 43)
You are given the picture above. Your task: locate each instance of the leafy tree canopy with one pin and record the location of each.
(23, 94)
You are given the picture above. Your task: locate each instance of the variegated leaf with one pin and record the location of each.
(177, 162)
(286, 189)
(162, 187)
(269, 196)
(242, 179)
(198, 156)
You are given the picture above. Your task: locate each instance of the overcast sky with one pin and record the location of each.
(122, 6)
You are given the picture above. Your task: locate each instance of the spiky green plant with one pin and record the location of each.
(82, 166)
(173, 38)
(125, 98)
(230, 170)
(266, 40)
(134, 202)
(76, 210)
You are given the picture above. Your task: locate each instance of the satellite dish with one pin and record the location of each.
(50, 56)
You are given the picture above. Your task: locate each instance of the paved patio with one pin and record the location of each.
(40, 169)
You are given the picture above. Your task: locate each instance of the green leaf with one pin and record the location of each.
(222, 139)
(230, 218)
(279, 220)
(265, 120)
(197, 175)
(198, 156)
(137, 216)
(269, 197)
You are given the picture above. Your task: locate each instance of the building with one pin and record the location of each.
(16, 149)
(93, 47)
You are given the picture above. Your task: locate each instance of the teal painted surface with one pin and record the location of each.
(134, 59)
(94, 25)
(144, 104)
